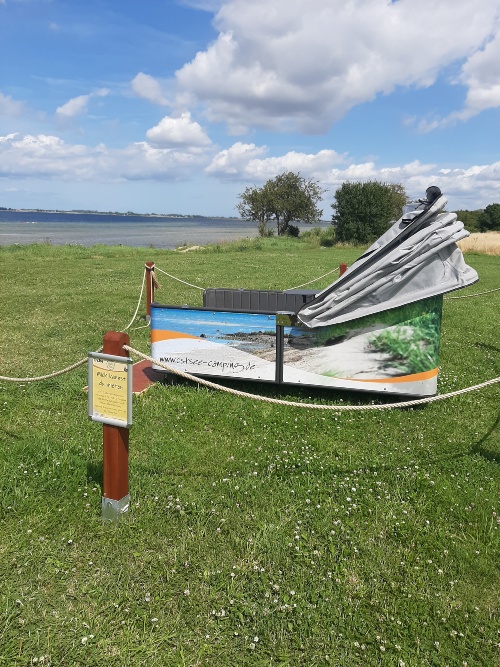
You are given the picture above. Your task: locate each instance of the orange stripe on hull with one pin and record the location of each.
(416, 377)
(161, 334)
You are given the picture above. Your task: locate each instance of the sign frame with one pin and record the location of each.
(94, 414)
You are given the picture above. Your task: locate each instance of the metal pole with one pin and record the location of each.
(116, 498)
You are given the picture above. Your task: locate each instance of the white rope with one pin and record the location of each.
(466, 296)
(138, 303)
(82, 361)
(311, 406)
(144, 326)
(315, 280)
(50, 375)
(289, 289)
(311, 282)
(244, 394)
(179, 280)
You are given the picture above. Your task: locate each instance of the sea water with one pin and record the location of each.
(59, 228)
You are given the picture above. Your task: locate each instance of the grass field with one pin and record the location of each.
(257, 535)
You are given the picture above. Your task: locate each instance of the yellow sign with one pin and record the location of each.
(110, 389)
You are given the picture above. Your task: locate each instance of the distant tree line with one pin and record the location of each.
(483, 220)
(362, 211)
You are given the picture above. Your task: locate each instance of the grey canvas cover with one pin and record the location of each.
(416, 258)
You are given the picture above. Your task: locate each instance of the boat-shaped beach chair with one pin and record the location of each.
(377, 328)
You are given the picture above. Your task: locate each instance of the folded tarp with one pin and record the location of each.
(415, 259)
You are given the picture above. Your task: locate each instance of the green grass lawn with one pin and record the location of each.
(257, 534)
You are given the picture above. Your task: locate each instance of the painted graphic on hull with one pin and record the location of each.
(394, 351)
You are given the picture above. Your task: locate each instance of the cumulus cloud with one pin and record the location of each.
(481, 76)
(149, 88)
(50, 157)
(247, 162)
(465, 188)
(46, 156)
(78, 105)
(303, 64)
(234, 161)
(9, 106)
(177, 132)
(74, 107)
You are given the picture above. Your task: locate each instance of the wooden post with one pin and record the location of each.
(116, 499)
(150, 288)
(343, 268)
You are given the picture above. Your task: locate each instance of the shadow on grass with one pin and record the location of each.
(482, 451)
(95, 471)
(10, 434)
(486, 346)
(301, 394)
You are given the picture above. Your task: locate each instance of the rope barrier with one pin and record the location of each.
(144, 326)
(138, 303)
(467, 296)
(238, 393)
(179, 280)
(289, 289)
(82, 361)
(315, 280)
(154, 280)
(311, 282)
(310, 406)
(49, 375)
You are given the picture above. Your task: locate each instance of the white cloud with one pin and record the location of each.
(9, 106)
(471, 187)
(149, 88)
(50, 157)
(179, 132)
(234, 161)
(78, 105)
(481, 75)
(247, 162)
(303, 64)
(74, 107)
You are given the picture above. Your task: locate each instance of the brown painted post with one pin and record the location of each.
(343, 268)
(115, 499)
(150, 288)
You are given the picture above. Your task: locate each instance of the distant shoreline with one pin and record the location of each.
(127, 213)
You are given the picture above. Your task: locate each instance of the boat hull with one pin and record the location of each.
(394, 352)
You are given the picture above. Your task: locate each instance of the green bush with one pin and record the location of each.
(293, 230)
(320, 237)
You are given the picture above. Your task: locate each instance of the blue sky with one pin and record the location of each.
(175, 106)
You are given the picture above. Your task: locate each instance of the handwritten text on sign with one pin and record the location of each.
(110, 390)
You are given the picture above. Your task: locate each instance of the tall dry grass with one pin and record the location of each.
(486, 244)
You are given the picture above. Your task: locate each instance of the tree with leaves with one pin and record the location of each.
(489, 219)
(285, 199)
(363, 211)
(469, 218)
